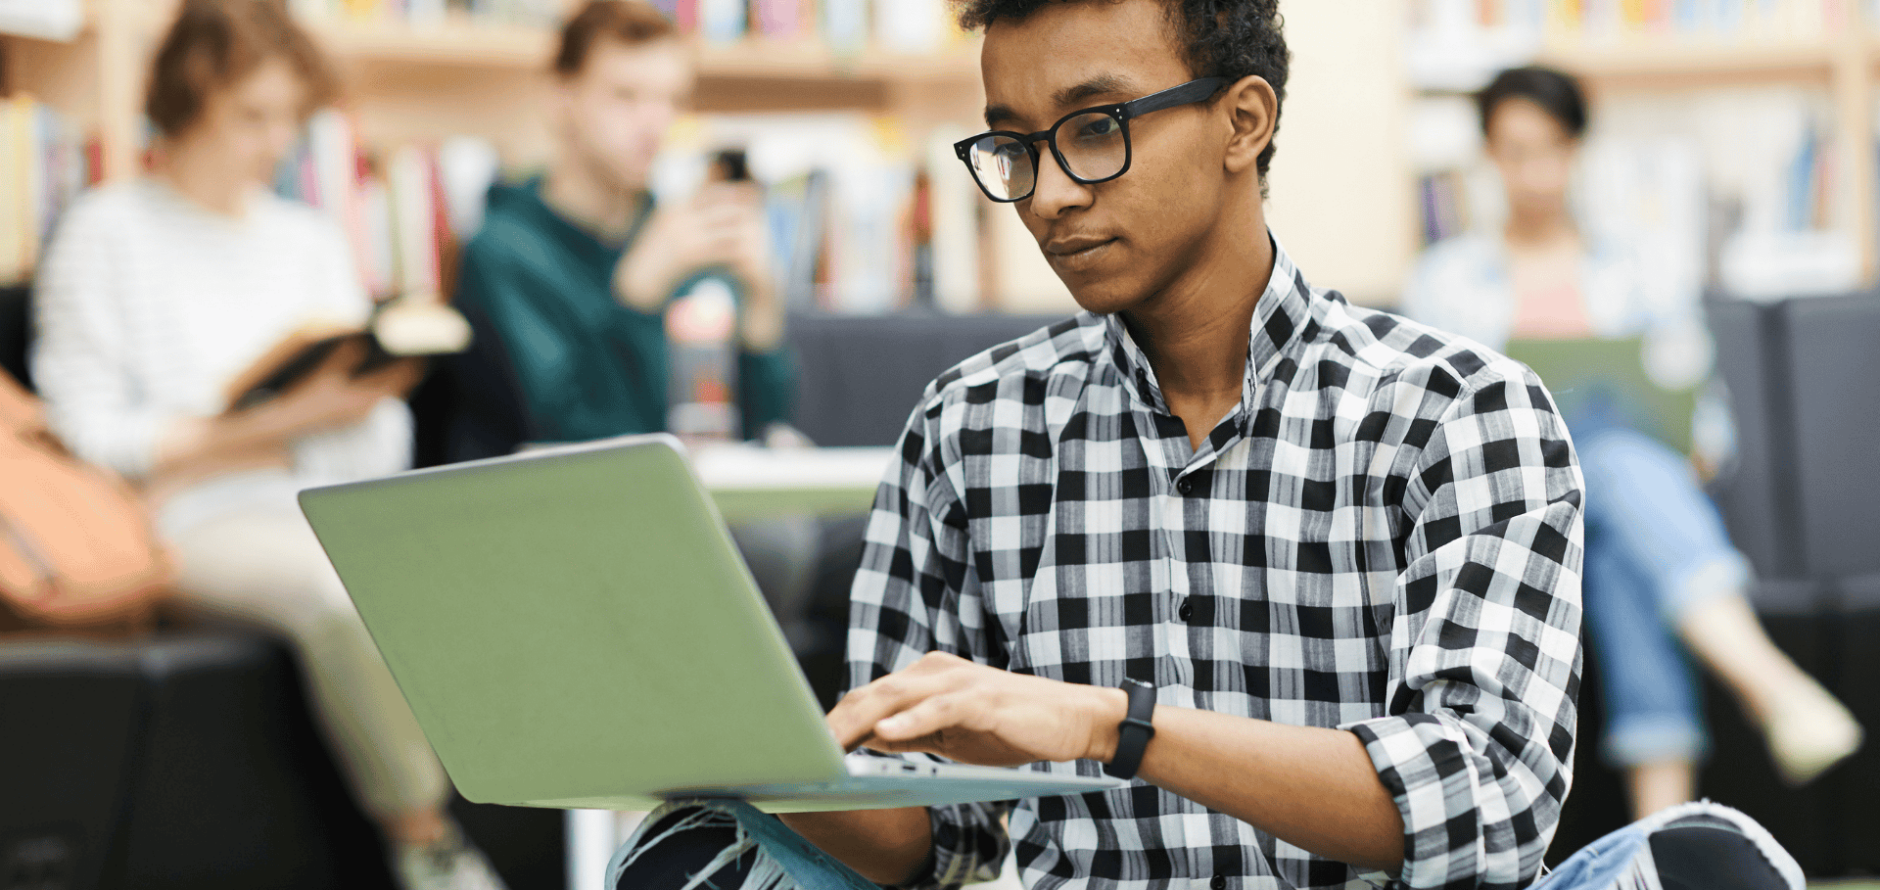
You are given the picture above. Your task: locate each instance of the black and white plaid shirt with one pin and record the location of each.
(1384, 536)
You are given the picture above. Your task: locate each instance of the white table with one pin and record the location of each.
(752, 483)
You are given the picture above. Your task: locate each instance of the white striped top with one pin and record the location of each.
(149, 304)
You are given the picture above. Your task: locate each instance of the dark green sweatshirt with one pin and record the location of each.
(579, 365)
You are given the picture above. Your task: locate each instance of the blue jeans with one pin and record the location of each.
(1655, 547)
(744, 849)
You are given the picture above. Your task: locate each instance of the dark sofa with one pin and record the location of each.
(141, 762)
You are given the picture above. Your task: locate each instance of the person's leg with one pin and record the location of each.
(266, 568)
(1654, 730)
(724, 845)
(1672, 534)
(682, 848)
(1808, 730)
(1697, 846)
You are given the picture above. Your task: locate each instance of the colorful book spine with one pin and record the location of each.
(44, 165)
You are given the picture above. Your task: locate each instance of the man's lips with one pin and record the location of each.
(1069, 247)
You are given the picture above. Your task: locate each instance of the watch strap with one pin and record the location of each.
(1133, 735)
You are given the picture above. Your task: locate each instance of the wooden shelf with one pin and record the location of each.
(1675, 63)
(456, 45)
(516, 48)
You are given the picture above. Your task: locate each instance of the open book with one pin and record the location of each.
(398, 330)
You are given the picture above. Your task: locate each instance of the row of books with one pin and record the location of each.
(899, 25)
(403, 209)
(895, 224)
(843, 25)
(1681, 186)
(528, 13)
(44, 163)
(1567, 20)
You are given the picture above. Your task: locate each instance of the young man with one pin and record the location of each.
(567, 282)
(1341, 550)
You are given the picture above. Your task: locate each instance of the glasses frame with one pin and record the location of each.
(1189, 93)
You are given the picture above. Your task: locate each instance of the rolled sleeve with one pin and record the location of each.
(910, 595)
(1485, 649)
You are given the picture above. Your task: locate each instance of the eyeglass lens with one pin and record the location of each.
(1092, 145)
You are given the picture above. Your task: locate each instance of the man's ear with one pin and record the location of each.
(1252, 114)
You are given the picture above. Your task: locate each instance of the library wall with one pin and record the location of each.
(1341, 191)
(1724, 128)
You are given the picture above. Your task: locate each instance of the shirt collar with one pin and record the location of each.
(1284, 310)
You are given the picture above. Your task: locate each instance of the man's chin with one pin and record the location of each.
(1103, 298)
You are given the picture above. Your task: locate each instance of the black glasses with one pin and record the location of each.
(1095, 148)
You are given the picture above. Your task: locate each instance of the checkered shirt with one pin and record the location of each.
(1384, 536)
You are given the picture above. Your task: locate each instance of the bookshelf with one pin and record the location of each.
(420, 84)
(1838, 58)
(1678, 64)
(97, 79)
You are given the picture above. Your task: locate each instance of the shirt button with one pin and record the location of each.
(1187, 611)
(1219, 883)
(1185, 486)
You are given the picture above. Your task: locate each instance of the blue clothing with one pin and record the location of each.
(1655, 547)
(1655, 544)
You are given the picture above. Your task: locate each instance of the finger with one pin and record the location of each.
(855, 717)
(929, 718)
(395, 376)
(745, 194)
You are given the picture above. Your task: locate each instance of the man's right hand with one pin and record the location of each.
(714, 228)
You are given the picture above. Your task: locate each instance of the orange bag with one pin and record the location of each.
(77, 549)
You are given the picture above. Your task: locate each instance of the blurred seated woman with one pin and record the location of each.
(1659, 565)
(155, 294)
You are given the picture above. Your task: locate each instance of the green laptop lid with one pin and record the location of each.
(574, 625)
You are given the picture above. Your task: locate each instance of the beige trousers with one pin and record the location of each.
(265, 567)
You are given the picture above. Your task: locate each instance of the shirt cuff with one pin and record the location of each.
(1422, 761)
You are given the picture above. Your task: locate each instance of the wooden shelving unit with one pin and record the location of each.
(1669, 64)
(408, 82)
(1845, 63)
(423, 83)
(467, 45)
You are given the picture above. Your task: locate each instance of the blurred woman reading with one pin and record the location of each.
(1659, 566)
(156, 294)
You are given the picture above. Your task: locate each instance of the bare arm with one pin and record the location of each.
(1314, 788)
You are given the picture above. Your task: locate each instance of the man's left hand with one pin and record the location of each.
(975, 714)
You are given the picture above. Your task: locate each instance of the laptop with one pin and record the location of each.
(574, 628)
(1609, 375)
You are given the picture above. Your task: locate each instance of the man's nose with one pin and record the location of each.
(1055, 191)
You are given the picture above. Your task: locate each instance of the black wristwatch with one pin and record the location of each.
(1133, 736)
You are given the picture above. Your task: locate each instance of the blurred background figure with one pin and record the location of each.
(161, 290)
(577, 276)
(569, 281)
(1659, 569)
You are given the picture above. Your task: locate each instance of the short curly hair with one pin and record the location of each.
(1223, 38)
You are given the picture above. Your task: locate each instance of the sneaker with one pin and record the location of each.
(1809, 732)
(450, 864)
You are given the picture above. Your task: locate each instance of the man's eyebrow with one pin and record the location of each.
(1096, 86)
